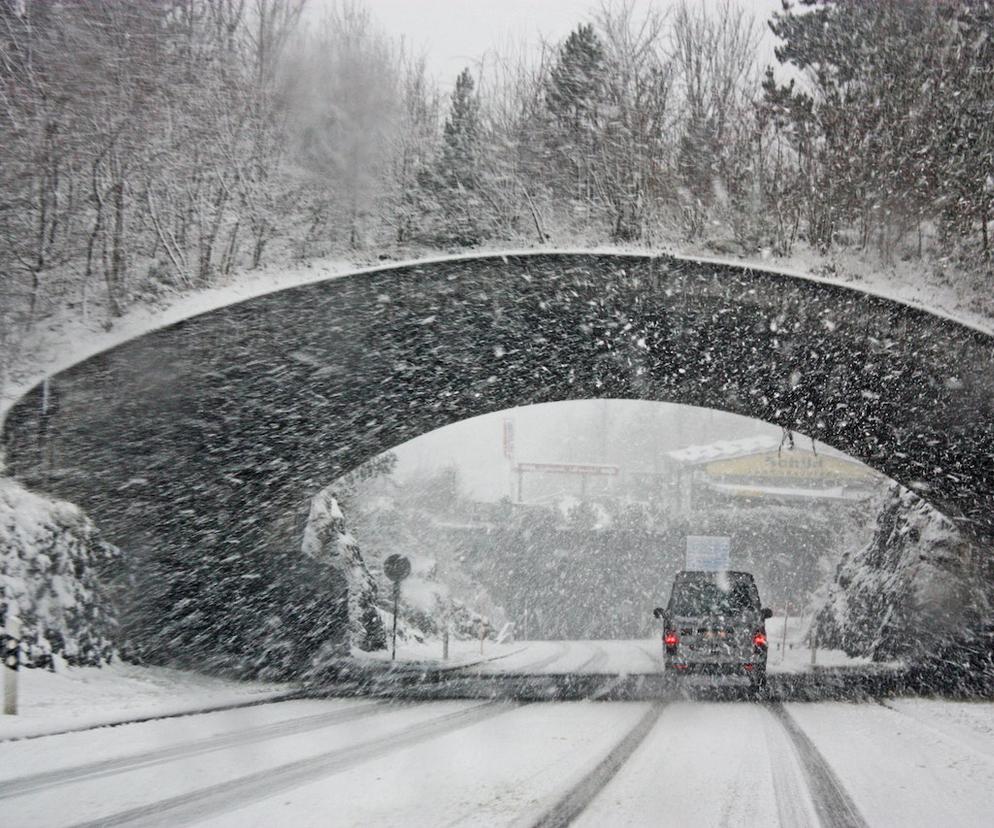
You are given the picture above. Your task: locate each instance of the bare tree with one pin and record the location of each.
(714, 55)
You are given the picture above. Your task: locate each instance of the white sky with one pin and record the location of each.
(629, 433)
(457, 33)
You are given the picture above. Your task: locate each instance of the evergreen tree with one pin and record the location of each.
(576, 85)
(457, 179)
(461, 136)
(574, 97)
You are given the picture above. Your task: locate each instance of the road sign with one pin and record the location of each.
(711, 553)
(396, 568)
(595, 469)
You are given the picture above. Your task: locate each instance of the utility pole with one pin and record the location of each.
(396, 601)
(396, 568)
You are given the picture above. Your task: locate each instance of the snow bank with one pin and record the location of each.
(81, 697)
(916, 582)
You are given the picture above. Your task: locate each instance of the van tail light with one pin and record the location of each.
(759, 639)
(670, 638)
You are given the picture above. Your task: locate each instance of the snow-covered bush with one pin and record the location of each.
(915, 583)
(326, 539)
(52, 566)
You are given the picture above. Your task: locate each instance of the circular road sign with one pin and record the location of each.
(396, 568)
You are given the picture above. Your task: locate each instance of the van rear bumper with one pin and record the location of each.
(716, 668)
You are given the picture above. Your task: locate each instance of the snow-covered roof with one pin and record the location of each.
(728, 449)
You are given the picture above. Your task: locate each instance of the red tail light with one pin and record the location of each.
(759, 639)
(671, 639)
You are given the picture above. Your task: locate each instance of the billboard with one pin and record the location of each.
(792, 466)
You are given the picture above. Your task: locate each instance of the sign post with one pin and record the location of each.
(11, 660)
(783, 644)
(396, 568)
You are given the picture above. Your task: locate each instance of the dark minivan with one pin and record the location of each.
(715, 623)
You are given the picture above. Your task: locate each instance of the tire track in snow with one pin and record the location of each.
(226, 796)
(595, 662)
(95, 770)
(533, 666)
(576, 799)
(654, 655)
(832, 804)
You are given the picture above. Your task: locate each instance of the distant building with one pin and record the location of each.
(763, 470)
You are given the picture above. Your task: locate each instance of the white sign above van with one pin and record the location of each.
(710, 553)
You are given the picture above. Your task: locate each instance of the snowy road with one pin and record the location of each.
(374, 763)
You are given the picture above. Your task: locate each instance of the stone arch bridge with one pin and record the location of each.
(202, 434)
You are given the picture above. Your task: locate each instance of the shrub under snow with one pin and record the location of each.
(51, 562)
(327, 539)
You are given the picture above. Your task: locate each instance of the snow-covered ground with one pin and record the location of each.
(792, 654)
(81, 697)
(901, 771)
(359, 762)
(708, 764)
(462, 653)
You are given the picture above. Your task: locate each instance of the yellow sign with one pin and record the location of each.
(791, 465)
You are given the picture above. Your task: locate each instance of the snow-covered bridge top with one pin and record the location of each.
(69, 342)
(214, 427)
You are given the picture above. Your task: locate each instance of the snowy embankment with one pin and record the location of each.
(76, 698)
(63, 340)
(915, 583)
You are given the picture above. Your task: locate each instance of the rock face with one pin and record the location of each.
(52, 560)
(327, 539)
(916, 582)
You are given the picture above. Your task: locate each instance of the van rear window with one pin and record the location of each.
(707, 598)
